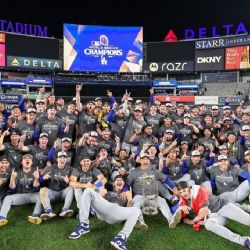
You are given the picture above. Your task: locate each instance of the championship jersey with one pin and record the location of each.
(137, 178)
(56, 182)
(13, 155)
(40, 155)
(85, 177)
(28, 130)
(113, 197)
(225, 181)
(197, 172)
(24, 181)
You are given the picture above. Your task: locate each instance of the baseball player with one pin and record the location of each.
(198, 207)
(4, 178)
(56, 179)
(109, 208)
(225, 177)
(84, 177)
(25, 185)
(135, 180)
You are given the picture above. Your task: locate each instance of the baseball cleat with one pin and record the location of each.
(34, 219)
(3, 221)
(141, 225)
(247, 243)
(118, 243)
(80, 230)
(48, 215)
(66, 213)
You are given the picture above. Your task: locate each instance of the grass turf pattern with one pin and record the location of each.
(19, 234)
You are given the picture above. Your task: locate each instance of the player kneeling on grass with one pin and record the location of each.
(199, 207)
(109, 207)
(24, 184)
(56, 180)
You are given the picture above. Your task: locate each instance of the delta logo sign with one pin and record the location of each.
(213, 31)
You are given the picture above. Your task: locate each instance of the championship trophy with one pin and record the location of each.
(150, 195)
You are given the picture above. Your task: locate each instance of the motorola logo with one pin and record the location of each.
(153, 67)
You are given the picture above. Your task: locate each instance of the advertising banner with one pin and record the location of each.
(165, 57)
(210, 100)
(237, 58)
(10, 98)
(102, 48)
(170, 66)
(33, 63)
(2, 55)
(233, 100)
(227, 41)
(210, 59)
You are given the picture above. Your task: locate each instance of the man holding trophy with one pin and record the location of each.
(143, 181)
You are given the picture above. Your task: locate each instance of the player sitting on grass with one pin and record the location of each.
(110, 208)
(199, 207)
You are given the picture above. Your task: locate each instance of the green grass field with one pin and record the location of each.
(19, 234)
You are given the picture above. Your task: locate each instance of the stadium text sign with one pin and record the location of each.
(23, 28)
(214, 31)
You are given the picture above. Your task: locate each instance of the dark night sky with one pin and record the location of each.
(156, 16)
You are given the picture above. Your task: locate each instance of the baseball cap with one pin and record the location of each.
(195, 153)
(90, 102)
(180, 105)
(3, 158)
(226, 107)
(226, 119)
(61, 153)
(222, 147)
(40, 101)
(138, 109)
(247, 152)
(93, 134)
(187, 115)
(181, 185)
(66, 139)
(245, 127)
(214, 107)
(222, 157)
(144, 155)
(98, 98)
(168, 104)
(28, 156)
(130, 99)
(138, 102)
(184, 142)
(74, 99)
(31, 110)
(43, 134)
(169, 131)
